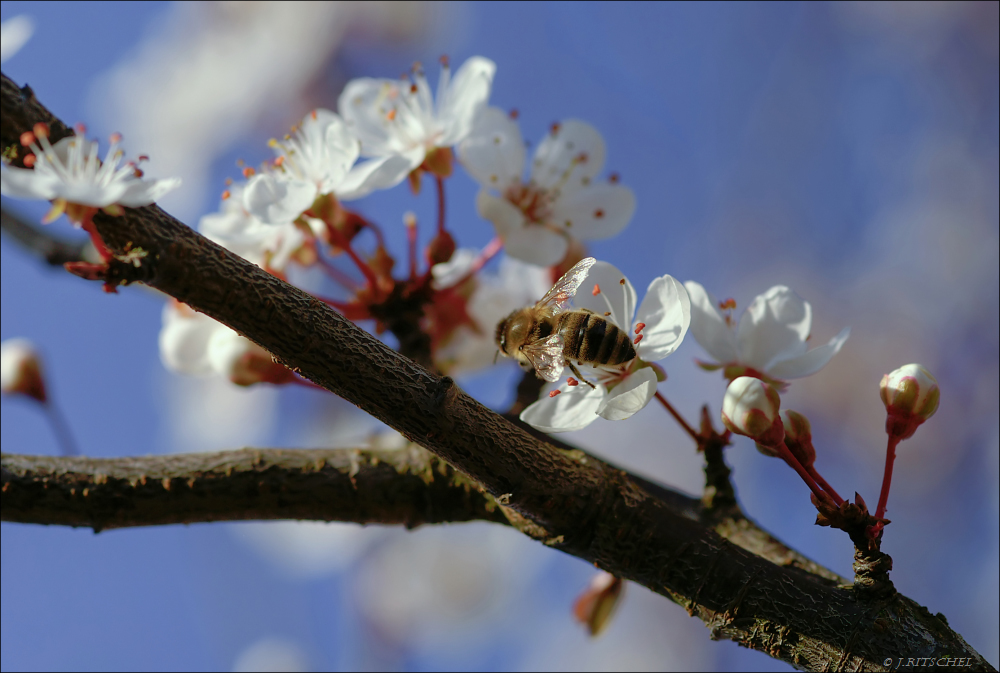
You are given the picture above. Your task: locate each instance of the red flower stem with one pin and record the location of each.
(811, 469)
(677, 417)
(343, 244)
(890, 458)
(411, 240)
(61, 429)
(95, 238)
(485, 255)
(336, 274)
(787, 456)
(440, 195)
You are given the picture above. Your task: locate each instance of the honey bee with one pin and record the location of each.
(547, 336)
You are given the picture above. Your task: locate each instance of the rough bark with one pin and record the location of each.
(564, 498)
(409, 487)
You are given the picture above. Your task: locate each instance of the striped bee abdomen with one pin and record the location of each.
(588, 337)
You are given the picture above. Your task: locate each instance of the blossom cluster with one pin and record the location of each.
(294, 208)
(291, 210)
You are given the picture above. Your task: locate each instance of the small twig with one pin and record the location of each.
(439, 181)
(52, 250)
(61, 429)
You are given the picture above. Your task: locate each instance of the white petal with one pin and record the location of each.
(535, 245)
(811, 362)
(528, 242)
(184, 340)
(26, 183)
(464, 98)
(145, 192)
(629, 396)
(283, 245)
(774, 328)
(374, 175)
(362, 105)
(448, 273)
(708, 326)
(225, 349)
(276, 200)
(504, 215)
(614, 297)
(574, 408)
(595, 212)
(331, 148)
(16, 31)
(494, 151)
(557, 159)
(87, 193)
(666, 310)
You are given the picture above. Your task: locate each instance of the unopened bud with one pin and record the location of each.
(244, 362)
(441, 248)
(21, 370)
(911, 396)
(751, 408)
(798, 437)
(596, 604)
(382, 262)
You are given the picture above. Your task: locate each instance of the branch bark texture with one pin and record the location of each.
(567, 499)
(409, 487)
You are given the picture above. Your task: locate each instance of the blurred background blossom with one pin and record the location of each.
(847, 150)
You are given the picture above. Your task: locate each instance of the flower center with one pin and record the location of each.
(535, 203)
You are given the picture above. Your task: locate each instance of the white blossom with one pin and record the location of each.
(194, 344)
(70, 174)
(662, 321)
(770, 340)
(269, 246)
(401, 118)
(316, 159)
(561, 199)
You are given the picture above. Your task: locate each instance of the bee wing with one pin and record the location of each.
(546, 357)
(564, 289)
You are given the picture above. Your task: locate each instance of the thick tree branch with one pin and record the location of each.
(409, 487)
(567, 499)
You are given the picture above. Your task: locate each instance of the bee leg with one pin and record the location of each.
(579, 375)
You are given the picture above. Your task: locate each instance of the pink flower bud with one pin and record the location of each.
(21, 370)
(751, 408)
(798, 436)
(911, 396)
(596, 604)
(244, 362)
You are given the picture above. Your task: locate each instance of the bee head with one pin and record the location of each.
(500, 337)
